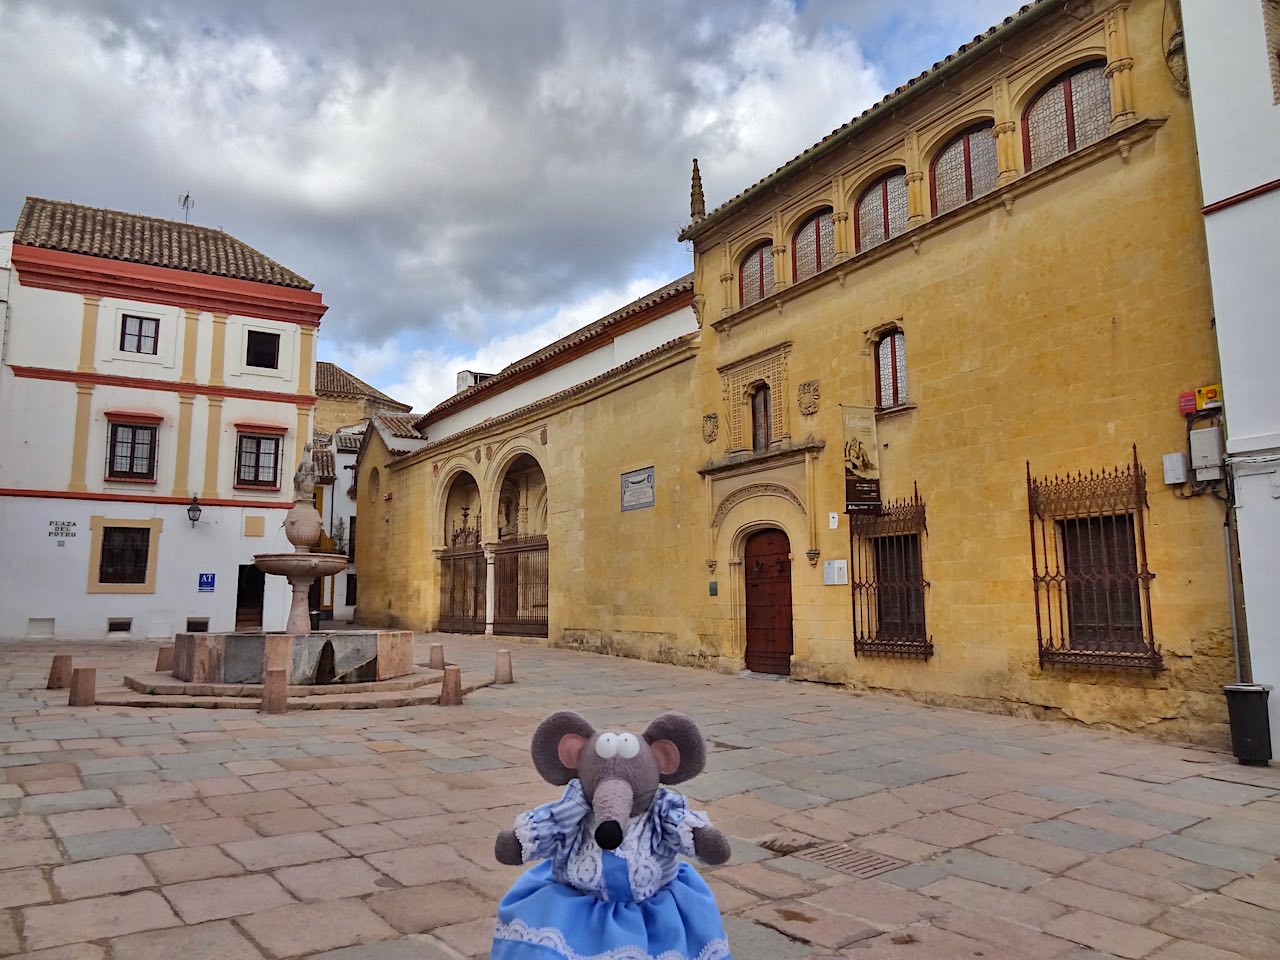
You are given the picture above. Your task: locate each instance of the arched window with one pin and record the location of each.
(1072, 112)
(891, 369)
(755, 275)
(760, 415)
(965, 168)
(813, 246)
(882, 211)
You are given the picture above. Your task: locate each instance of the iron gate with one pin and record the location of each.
(463, 572)
(520, 587)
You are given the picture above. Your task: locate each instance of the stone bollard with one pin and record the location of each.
(435, 659)
(164, 658)
(84, 687)
(60, 672)
(451, 687)
(502, 670)
(275, 692)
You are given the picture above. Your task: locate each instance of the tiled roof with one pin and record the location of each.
(325, 470)
(115, 235)
(348, 442)
(1025, 16)
(333, 381)
(483, 426)
(399, 425)
(581, 335)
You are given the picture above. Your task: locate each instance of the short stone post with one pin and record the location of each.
(60, 672)
(451, 687)
(164, 658)
(502, 669)
(435, 659)
(275, 692)
(84, 687)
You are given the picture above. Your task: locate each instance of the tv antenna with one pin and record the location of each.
(186, 202)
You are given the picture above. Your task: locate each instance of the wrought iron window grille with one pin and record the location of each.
(887, 581)
(1089, 570)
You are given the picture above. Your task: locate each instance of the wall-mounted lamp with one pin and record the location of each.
(193, 511)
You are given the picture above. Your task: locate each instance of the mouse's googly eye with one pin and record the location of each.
(628, 745)
(607, 746)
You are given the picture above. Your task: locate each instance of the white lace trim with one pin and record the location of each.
(521, 932)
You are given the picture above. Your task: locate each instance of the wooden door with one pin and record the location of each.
(767, 562)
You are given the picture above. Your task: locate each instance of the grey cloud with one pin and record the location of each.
(429, 166)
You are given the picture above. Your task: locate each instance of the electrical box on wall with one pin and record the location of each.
(1206, 453)
(1175, 468)
(1209, 397)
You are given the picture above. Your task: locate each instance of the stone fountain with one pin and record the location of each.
(303, 527)
(308, 656)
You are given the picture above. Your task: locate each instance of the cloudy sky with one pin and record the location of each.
(463, 181)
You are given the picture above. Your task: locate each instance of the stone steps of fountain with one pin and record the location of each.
(166, 685)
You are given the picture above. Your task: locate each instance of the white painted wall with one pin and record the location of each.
(609, 355)
(37, 424)
(1238, 137)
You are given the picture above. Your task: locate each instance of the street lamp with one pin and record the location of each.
(193, 511)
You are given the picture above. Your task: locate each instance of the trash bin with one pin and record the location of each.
(1250, 724)
(315, 625)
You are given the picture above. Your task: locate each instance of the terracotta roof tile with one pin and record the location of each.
(399, 425)
(333, 381)
(581, 335)
(348, 442)
(115, 235)
(874, 112)
(325, 470)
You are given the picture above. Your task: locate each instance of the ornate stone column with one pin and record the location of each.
(915, 182)
(490, 582)
(840, 219)
(1119, 71)
(1008, 161)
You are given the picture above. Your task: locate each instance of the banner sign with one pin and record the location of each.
(205, 582)
(861, 460)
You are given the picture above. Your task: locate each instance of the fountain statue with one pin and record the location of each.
(303, 527)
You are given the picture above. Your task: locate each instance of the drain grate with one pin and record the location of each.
(862, 864)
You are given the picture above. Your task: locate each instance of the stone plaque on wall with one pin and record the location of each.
(638, 489)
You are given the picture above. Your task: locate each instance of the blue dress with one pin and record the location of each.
(638, 902)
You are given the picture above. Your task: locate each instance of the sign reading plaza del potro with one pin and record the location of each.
(861, 460)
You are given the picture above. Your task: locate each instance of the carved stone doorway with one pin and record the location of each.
(767, 579)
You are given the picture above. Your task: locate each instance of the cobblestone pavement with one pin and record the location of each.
(368, 835)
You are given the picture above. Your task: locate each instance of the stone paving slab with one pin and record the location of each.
(141, 834)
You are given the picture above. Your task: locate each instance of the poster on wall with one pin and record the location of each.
(637, 489)
(861, 460)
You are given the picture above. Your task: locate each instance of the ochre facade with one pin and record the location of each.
(1049, 327)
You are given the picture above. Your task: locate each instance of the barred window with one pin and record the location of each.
(138, 334)
(882, 211)
(963, 169)
(814, 246)
(1089, 568)
(257, 461)
(887, 580)
(891, 370)
(124, 555)
(755, 275)
(1072, 112)
(761, 435)
(131, 452)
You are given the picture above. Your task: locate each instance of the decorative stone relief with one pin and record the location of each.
(769, 366)
(710, 428)
(808, 397)
(754, 490)
(542, 436)
(477, 454)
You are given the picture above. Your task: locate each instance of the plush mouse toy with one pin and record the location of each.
(610, 886)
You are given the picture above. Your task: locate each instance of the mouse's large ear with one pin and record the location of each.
(557, 744)
(677, 743)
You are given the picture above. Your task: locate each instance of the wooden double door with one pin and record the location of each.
(767, 576)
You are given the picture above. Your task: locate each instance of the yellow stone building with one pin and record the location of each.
(914, 442)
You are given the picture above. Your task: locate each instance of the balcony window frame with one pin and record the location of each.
(766, 282)
(897, 344)
(258, 437)
(1069, 111)
(963, 137)
(881, 184)
(139, 336)
(823, 258)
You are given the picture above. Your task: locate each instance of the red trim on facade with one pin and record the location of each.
(98, 276)
(138, 383)
(1241, 197)
(134, 498)
(133, 416)
(107, 478)
(272, 429)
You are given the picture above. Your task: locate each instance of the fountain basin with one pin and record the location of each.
(310, 565)
(325, 656)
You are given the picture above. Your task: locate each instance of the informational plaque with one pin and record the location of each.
(835, 572)
(861, 460)
(637, 489)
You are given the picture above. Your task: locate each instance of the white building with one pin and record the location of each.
(146, 363)
(1233, 57)
(335, 457)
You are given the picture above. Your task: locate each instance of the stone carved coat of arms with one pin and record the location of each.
(808, 397)
(710, 428)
